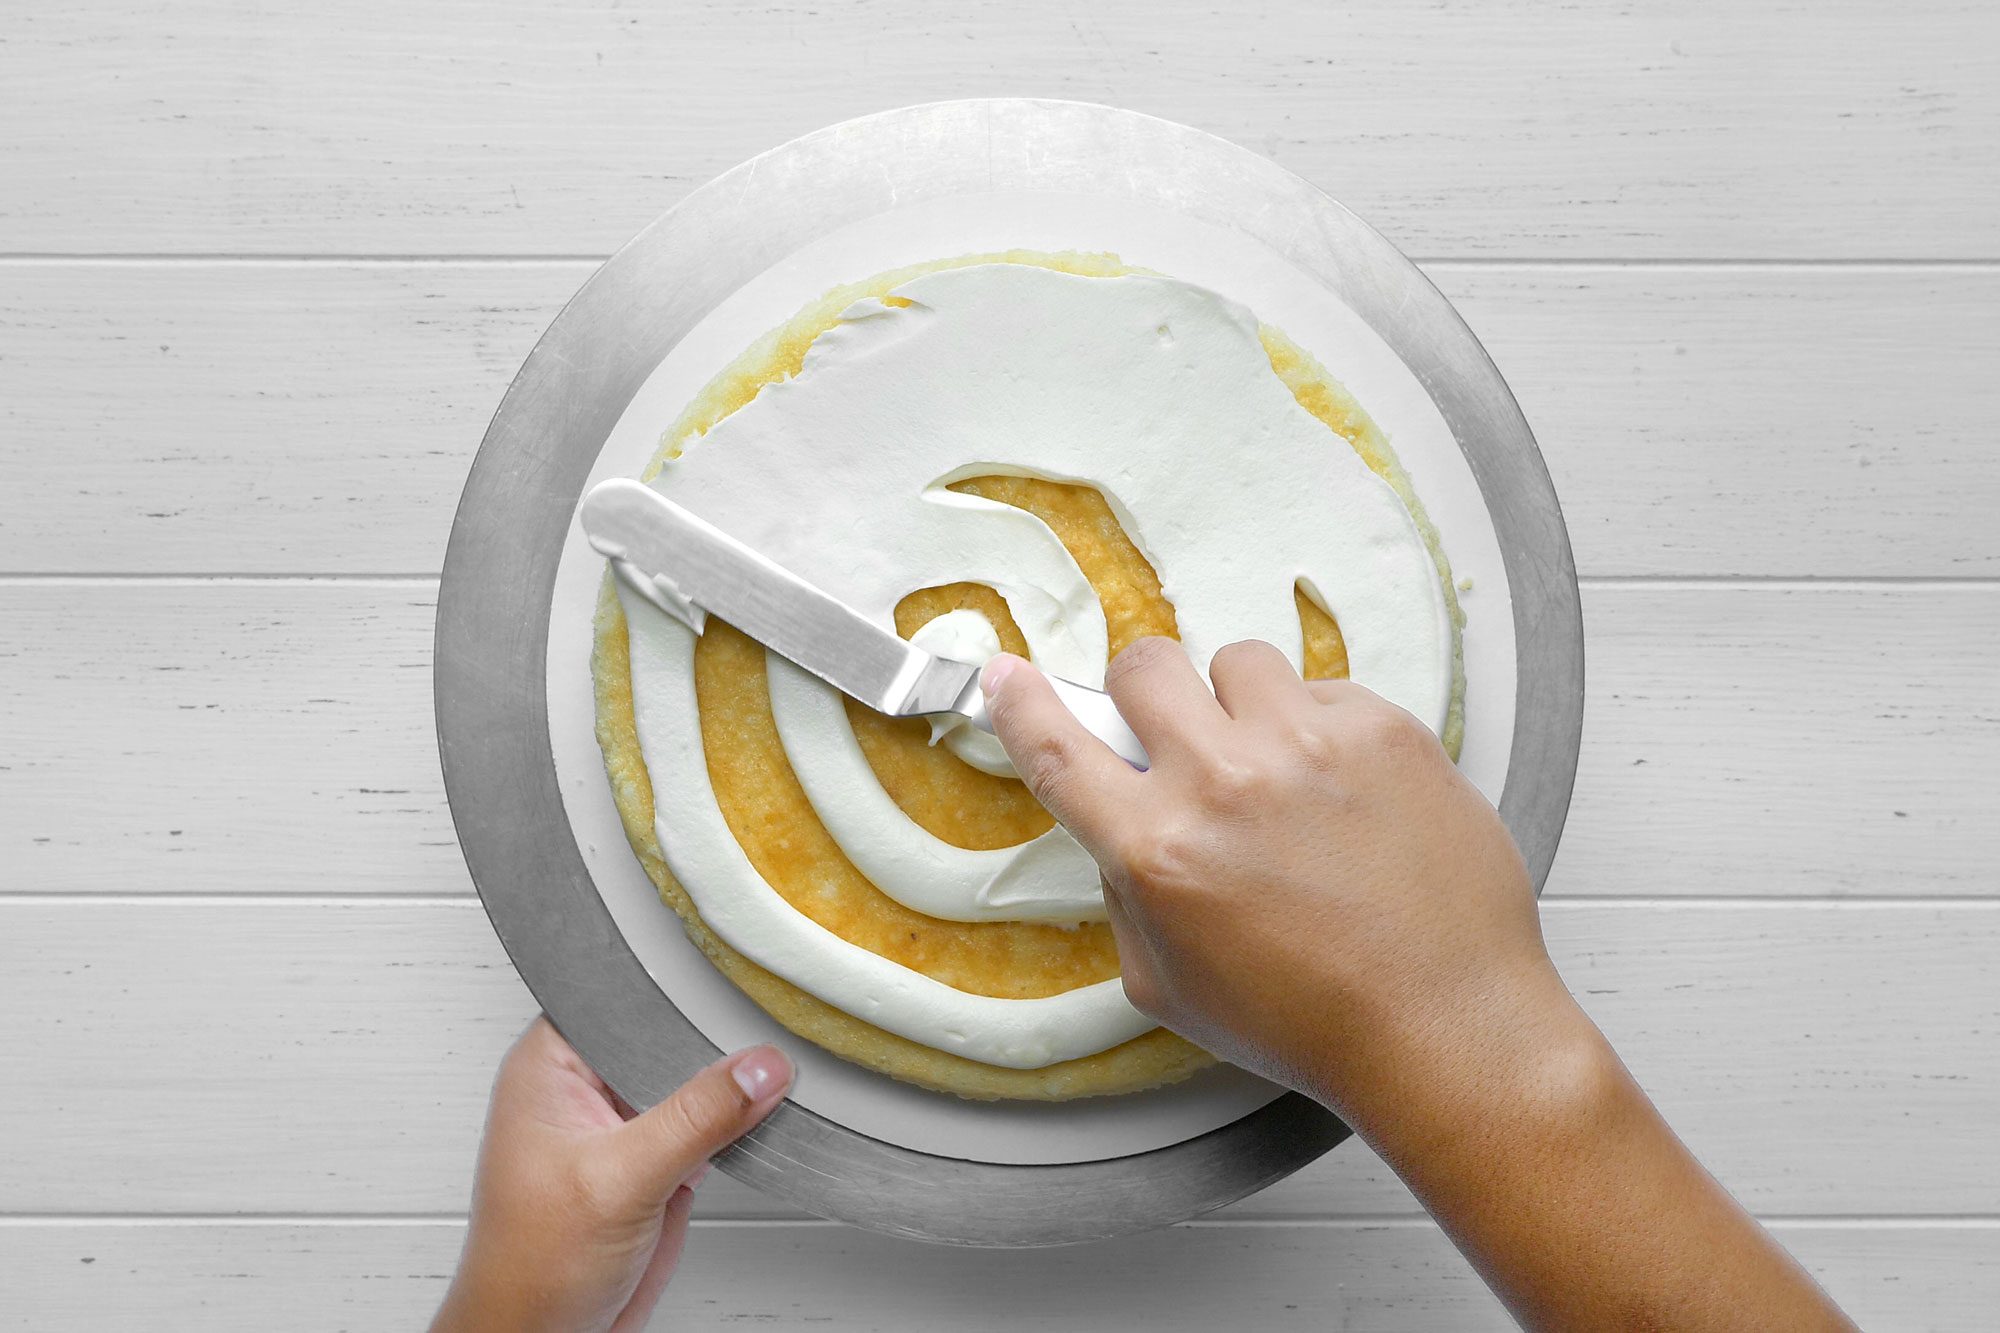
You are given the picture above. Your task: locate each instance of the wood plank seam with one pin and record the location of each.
(1824, 1221)
(427, 581)
(1469, 261)
(1554, 898)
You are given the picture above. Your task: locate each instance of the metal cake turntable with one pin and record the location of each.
(920, 183)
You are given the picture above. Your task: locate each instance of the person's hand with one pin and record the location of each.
(1302, 883)
(580, 1207)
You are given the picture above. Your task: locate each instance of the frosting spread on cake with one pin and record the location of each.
(1157, 393)
(965, 636)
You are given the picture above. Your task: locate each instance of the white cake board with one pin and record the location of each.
(1226, 261)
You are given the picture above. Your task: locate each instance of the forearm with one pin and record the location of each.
(483, 1300)
(1399, 976)
(1527, 1139)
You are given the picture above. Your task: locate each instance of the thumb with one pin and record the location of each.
(1074, 775)
(657, 1151)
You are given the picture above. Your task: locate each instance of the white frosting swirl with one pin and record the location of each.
(965, 636)
(1156, 392)
(1050, 878)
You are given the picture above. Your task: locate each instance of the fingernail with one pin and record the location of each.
(700, 1174)
(761, 1072)
(996, 671)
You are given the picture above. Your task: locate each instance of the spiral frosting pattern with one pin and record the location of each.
(1158, 394)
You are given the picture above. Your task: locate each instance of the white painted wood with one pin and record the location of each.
(304, 1057)
(1697, 128)
(254, 418)
(222, 1276)
(1787, 740)
(1821, 421)
(1773, 750)
(223, 737)
(1824, 422)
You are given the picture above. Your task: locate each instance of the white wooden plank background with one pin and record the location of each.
(1792, 128)
(265, 269)
(227, 1276)
(304, 708)
(311, 417)
(300, 1056)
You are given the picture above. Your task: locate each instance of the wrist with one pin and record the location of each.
(1553, 1092)
(474, 1304)
(1508, 1054)
(463, 1309)
(460, 1311)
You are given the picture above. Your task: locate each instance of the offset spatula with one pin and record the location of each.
(687, 568)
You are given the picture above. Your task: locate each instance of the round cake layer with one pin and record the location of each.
(771, 819)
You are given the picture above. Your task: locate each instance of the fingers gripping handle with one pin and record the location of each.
(1093, 708)
(1100, 718)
